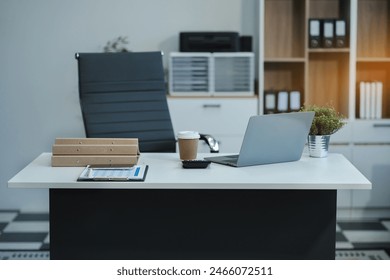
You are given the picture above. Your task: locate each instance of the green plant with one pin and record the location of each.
(326, 120)
(117, 45)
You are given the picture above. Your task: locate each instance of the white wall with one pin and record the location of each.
(38, 72)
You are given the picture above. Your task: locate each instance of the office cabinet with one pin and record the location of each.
(373, 46)
(373, 161)
(323, 75)
(224, 118)
(371, 132)
(371, 137)
(371, 155)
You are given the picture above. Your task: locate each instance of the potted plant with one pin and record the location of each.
(117, 45)
(326, 122)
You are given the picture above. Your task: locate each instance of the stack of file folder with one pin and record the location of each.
(95, 151)
(370, 100)
(328, 33)
(282, 101)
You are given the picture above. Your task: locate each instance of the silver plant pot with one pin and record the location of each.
(318, 145)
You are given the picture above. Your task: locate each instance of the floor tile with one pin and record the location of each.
(29, 232)
(7, 216)
(340, 237)
(47, 239)
(356, 236)
(373, 245)
(361, 226)
(386, 224)
(45, 247)
(29, 226)
(22, 237)
(32, 217)
(344, 245)
(2, 226)
(20, 245)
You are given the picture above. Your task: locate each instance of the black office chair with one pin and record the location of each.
(123, 95)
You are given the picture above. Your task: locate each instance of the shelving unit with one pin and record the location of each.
(328, 69)
(321, 75)
(283, 58)
(373, 47)
(371, 137)
(332, 76)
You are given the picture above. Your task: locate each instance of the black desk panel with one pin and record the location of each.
(192, 224)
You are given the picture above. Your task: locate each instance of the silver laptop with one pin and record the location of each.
(271, 139)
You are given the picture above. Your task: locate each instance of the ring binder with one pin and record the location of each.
(295, 101)
(314, 33)
(269, 102)
(340, 33)
(328, 33)
(282, 101)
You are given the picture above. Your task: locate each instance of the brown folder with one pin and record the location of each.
(84, 160)
(97, 141)
(82, 149)
(95, 151)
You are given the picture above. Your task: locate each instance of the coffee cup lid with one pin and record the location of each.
(188, 135)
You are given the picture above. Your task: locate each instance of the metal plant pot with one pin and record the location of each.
(318, 145)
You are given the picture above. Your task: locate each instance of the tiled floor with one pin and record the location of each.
(361, 235)
(24, 231)
(26, 236)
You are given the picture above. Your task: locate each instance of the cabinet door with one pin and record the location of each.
(371, 131)
(374, 162)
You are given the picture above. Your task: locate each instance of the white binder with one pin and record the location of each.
(367, 89)
(295, 100)
(282, 101)
(378, 109)
(362, 101)
(372, 100)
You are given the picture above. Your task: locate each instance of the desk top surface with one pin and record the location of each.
(166, 172)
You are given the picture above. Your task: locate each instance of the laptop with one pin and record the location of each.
(271, 139)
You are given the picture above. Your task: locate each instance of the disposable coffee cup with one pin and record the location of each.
(188, 144)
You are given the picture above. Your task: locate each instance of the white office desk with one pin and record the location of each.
(276, 211)
(165, 172)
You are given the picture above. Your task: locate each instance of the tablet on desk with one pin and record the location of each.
(134, 173)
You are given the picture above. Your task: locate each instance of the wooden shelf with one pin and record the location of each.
(328, 80)
(324, 75)
(284, 59)
(330, 50)
(321, 75)
(286, 22)
(373, 33)
(286, 76)
(332, 76)
(373, 59)
(373, 48)
(327, 8)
